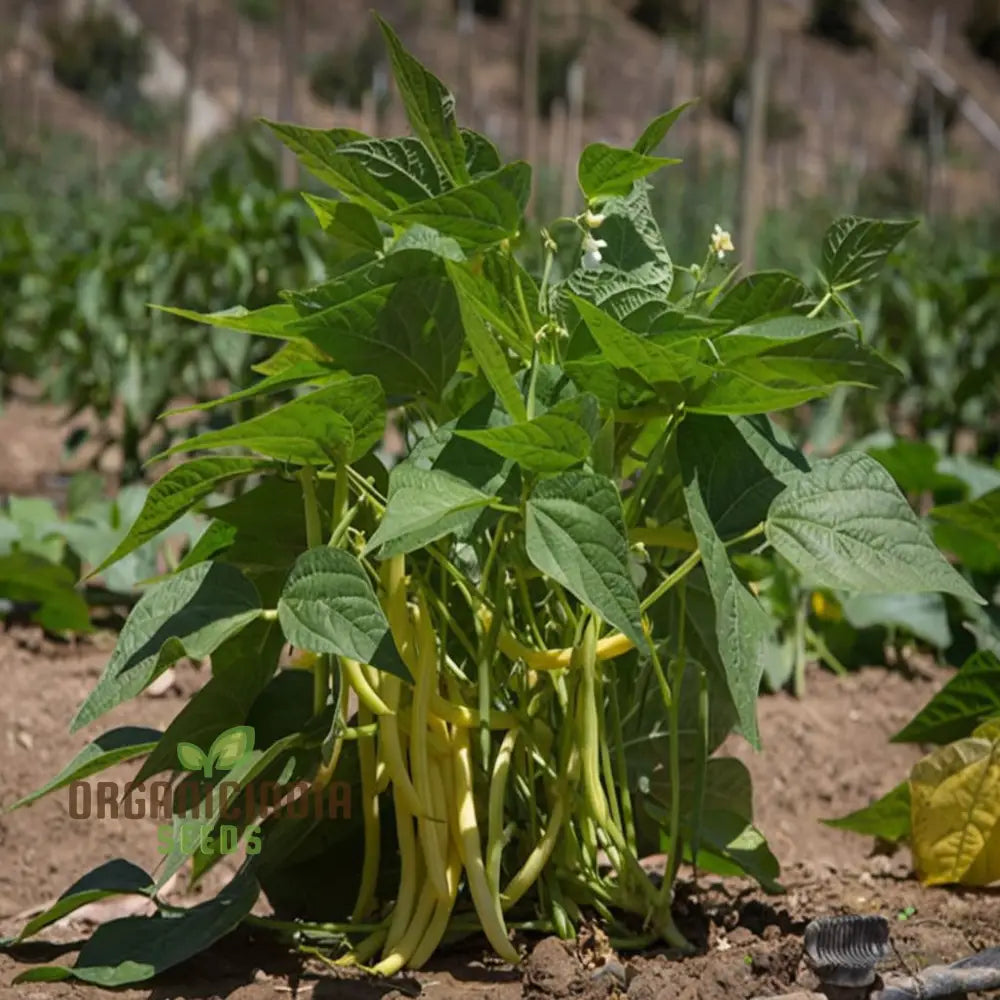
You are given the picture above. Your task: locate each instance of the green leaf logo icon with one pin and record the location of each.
(231, 746)
(225, 753)
(192, 758)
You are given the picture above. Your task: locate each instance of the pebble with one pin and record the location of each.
(25, 739)
(611, 971)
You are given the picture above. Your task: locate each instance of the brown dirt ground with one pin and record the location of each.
(824, 755)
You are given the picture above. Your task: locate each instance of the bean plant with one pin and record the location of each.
(523, 646)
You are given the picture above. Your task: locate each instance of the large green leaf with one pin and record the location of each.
(558, 439)
(486, 349)
(969, 698)
(888, 818)
(108, 749)
(409, 335)
(732, 846)
(742, 625)
(271, 321)
(356, 281)
(636, 273)
(314, 373)
(854, 249)
(134, 949)
(788, 374)
(761, 294)
(113, 878)
(971, 530)
(341, 422)
(575, 533)
(189, 614)
(478, 214)
(328, 606)
(175, 494)
(762, 335)
(626, 350)
(380, 175)
(606, 170)
(424, 505)
(743, 464)
(241, 669)
(845, 525)
(430, 107)
(47, 588)
(924, 616)
(350, 227)
(656, 131)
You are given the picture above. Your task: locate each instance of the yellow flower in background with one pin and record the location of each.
(825, 608)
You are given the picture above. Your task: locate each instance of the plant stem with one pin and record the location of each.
(314, 531)
(674, 578)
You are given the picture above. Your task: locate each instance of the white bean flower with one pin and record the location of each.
(592, 252)
(722, 242)
(593, 219)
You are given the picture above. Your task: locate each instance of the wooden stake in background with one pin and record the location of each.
(529, 84)
(753, 136)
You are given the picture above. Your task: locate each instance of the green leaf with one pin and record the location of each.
(271, 321)
(424, 505)
(636, 273)
(353, 285)
(913, 464)
(134, 949)
(789, 374)
(605, 171)
(315, 373)
(553, 442)
(489, 355)
(351, 228)
(887, 819)
(575, 533)
(481, 156)
(478, 214)
(190, 614)
(969, 698)
(742, 625)
(241, 669)
(730, 845)
(409, 336)
(925, 616)
(761, 294)
(114, 878)
(108, 749)
(626, 350)
(743, 464)
(380, 175)
(231, 746)
(854, 249)
(430, 107)
(971, 529)
(763, 335)
(328, 606)
(340, 422)
(175, 494)
(191, 757)
(656, 131)
(31, 579)
(846, 526)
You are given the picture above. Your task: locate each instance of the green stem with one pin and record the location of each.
(673, 579)
(314, 531)
(821, 305)
(676, 684)
(341, 495)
